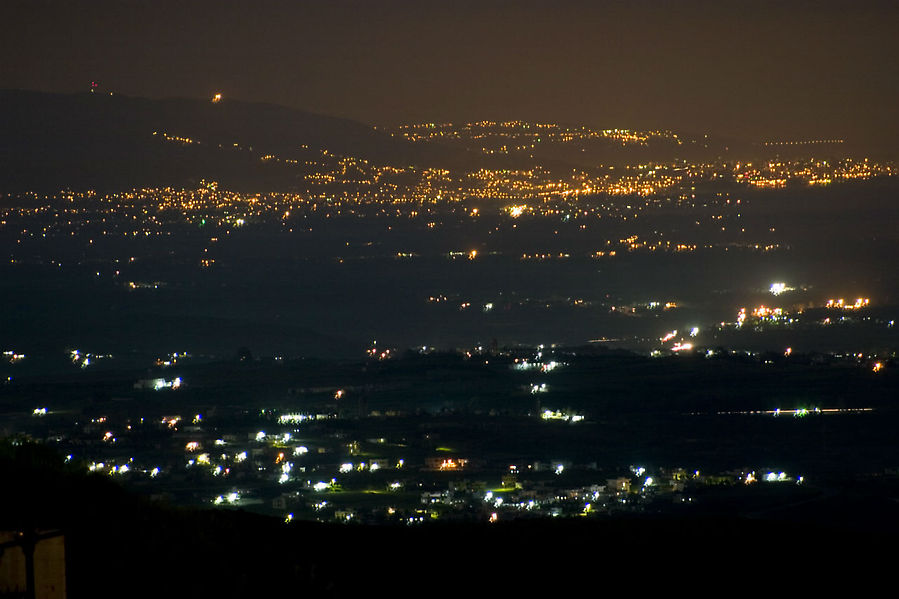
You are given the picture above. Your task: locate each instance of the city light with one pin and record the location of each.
(779, 288)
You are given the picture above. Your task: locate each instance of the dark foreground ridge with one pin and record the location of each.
(117, 544)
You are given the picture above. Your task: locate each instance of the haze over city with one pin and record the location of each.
(755, 71)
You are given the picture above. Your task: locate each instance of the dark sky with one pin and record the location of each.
(755, 70)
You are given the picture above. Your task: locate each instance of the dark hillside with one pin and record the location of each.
(102, 141)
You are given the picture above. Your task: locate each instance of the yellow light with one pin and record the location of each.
(516, 211)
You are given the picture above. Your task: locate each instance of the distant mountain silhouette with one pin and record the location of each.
(106, 142)
(103, 141)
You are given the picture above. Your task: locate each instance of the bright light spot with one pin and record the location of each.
(260, 436)
(559, 469)
(694, 331)
(291, 418)
(159, 384)
(232, 497)
(300, 450)
(216, 98)
(778, 288)
(344, 468)
(321, 486)
(557, 415)
(516, 211)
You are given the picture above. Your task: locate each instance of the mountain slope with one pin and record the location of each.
(102, 141)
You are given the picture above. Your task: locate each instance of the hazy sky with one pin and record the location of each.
(750, 69)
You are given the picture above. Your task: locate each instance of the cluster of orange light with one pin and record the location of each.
(764, 312)
(453, 464)
(861, 302)
(761, 312)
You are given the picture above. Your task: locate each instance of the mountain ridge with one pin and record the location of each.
(54, 141)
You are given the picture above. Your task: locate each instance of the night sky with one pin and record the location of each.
(755, 70)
